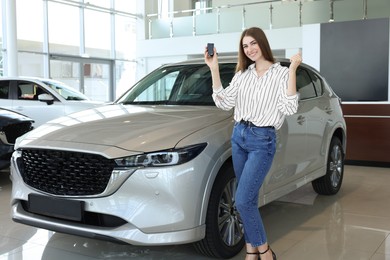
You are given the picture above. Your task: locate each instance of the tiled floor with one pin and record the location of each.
(354, 224)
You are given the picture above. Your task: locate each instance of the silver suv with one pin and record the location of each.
(154, 168)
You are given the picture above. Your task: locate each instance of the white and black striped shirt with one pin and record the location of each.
(260, 100)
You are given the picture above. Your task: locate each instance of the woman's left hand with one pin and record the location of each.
(295, 61)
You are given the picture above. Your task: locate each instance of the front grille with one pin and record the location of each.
(65, 173)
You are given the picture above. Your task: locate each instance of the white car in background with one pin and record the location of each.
(154, 167)
(41, 99)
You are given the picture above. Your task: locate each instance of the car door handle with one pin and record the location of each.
(329, 110)
(301, 120)
(19, 108)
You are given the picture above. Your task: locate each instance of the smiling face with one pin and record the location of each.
(251, 48)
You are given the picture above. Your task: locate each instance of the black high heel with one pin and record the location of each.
(273, 254)
(254, 253)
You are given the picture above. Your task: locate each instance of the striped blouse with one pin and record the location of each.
(260, 100)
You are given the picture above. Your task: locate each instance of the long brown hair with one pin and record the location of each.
(259, 35)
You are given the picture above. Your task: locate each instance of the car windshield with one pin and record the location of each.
(188, 84)
(65, 91)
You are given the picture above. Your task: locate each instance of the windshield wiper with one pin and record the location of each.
(164, 102)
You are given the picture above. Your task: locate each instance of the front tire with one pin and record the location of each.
(330, 183)
(224, 230)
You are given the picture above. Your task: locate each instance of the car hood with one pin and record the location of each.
(126, 127)
(8, 117)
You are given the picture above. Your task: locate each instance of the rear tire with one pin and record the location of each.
(330, 183)
(224, 230)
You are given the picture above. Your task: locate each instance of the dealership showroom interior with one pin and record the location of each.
(119, 120)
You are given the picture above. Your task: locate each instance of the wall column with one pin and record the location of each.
(11, 39)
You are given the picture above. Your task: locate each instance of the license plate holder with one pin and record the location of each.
(56, 207)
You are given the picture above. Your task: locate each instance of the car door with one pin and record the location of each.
(292, 160)
(25, 101)
(318, 117)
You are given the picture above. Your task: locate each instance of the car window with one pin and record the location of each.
(4, 89)
(29, 90)
(226, 73)
(65, 91)
(305, 86)
(177, 85)
(317, 83)
(195, 85)
(158, 90)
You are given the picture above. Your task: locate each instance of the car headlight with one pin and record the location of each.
(162, 158)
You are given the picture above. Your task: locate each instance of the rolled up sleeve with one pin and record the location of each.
(225, 99)
(287, 105)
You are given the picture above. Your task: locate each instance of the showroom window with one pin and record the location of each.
(97, 44)
(29, 25)
(64, 37)
(81, 43)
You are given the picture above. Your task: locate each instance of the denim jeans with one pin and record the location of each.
(253, 149)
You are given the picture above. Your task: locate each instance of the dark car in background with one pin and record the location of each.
(12, 126)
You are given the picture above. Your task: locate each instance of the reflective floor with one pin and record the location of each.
(354, 224)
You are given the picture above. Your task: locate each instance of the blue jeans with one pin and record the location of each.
(253, 149)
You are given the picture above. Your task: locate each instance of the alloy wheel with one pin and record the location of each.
(229, 221)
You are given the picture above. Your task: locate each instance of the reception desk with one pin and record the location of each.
(368, 132)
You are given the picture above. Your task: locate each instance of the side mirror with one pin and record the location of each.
(46, 98)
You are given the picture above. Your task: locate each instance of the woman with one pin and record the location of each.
(262, 93)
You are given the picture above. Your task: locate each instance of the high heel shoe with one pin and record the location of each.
(273, 254)
(254, 253)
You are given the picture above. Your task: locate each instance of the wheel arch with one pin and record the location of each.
(225, 161)
(340, 133)
(330, 182)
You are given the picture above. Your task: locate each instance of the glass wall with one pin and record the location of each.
(97, 80)
(64, 28)
(125, 33)
(232, 17)
(1, 40)
(80, 43)
(125, 75)
(29, 25)
(89, 76)
(97, 34)
(32, 64)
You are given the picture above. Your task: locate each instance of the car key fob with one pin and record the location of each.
(210, 49)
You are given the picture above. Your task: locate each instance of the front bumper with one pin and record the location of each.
(156, 206)
(126, 233)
